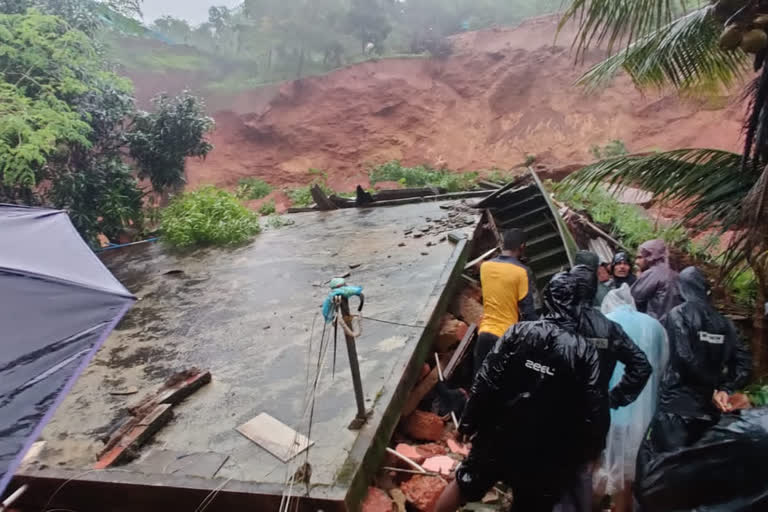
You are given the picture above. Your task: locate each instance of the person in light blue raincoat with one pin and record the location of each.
(629, 424)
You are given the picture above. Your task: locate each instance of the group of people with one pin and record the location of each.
(616, 370)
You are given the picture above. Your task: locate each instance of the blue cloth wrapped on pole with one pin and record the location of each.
(345, 291)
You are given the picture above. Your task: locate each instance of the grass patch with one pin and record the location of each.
(423, 176)
(501, 176)
(268, 208)
(207, 216)
(252, 188)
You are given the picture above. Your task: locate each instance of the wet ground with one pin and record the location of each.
(247, 315)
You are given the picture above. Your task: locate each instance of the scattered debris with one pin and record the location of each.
(452, 331)
(461, 351)
(441, 464)
(377, 501)
(130, 390)
(424, 426)
(425, 253)
(277, 438)
(354, 265)
(457, 448)
(410, 452)
(399, 498)
(401, 244)
(423, 491)
(148, 416)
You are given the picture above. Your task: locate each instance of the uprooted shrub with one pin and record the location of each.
(207, 216)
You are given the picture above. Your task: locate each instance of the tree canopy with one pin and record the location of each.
(66, 121)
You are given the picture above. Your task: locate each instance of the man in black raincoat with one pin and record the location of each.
(707, 364)
(537, 410)
(613, 344)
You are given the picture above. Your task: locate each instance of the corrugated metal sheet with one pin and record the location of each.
(527, 206)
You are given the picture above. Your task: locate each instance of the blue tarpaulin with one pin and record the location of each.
(58, 303)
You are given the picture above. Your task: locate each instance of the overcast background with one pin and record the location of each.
(194, 11)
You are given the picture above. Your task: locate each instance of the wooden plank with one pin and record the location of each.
(277, 438)
(480, 258)
(461, 351)
(139, 434)
(323, 203)
(422, 389)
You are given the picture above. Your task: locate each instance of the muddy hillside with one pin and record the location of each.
(502, 95)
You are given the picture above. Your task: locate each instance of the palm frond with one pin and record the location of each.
(710, 180)
(684, 53)
(614, 22)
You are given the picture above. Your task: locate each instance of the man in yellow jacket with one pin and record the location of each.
(508, 290)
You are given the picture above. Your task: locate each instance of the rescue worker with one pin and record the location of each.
(592, 260)
(537, 411)
(707, 364)
(621, 271)
(508, 290)
(629, 424)
(656, 290)
(613, 344)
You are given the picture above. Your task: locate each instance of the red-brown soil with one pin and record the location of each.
(503, 94)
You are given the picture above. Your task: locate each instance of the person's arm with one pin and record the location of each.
(526, 304)
(739, 364)
(597, 417)
(489, 383)
(643, 290)
(637, 369)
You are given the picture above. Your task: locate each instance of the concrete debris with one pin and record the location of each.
(401, 244)
(423, 491)
(424, 426)
(467, 307)
(424, 253)
(130, 390)
(354, 265)
(378, 501)
(399, 498)
(418, 235)
(410, 452)
(441, 464)
(452, 331)
(431, 450)
(458, 448)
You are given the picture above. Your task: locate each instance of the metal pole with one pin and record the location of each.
(357, 382)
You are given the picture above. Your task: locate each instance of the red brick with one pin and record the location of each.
(431, 449)
(411, 452)
(451, 333)
(424, 426)
(378, 501)
(423, 491)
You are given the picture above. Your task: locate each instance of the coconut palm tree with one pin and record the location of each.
(692, 46)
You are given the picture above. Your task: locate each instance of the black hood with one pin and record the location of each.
(588, 258)
(585, 280)
(560, 296)
(694, 285)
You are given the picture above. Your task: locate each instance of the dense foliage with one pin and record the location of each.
(207, 216)
(66, 120)
(422, 176)
(160, 141)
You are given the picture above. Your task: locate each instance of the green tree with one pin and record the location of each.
(160, 141)
(368, 21)
(692, 46)
(175, 29)
(63, 126)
